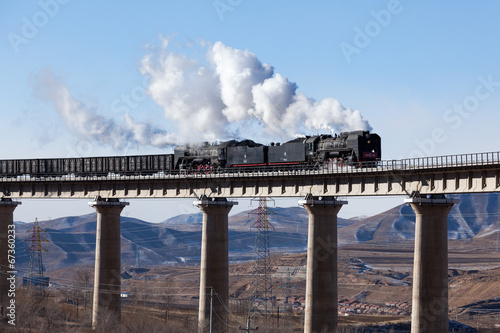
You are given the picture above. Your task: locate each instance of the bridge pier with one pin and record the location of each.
(214, 267)
(430, 267)
(7, 207)
(107, 277)
(321, 282)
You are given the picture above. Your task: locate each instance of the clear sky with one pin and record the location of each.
(84, 78)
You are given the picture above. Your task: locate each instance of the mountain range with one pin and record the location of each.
(71, 240)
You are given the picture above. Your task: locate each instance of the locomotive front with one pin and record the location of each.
(369, 147)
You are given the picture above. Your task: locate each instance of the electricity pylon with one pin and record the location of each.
(35, 273)
(261, 286)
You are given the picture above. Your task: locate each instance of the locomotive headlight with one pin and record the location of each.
(369, 141)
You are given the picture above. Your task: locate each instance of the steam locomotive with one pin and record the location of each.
(347, 148)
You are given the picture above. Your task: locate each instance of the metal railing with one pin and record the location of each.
(332, 167)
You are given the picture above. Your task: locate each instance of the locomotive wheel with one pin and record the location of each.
(204, 169)
(209, 169)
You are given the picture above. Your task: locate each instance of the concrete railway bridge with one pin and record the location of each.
(424, 182)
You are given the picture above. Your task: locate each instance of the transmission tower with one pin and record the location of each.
(261, 286)
(35, 272)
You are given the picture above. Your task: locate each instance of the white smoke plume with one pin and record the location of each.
(225, 94)
(231, 93)
(84, 121)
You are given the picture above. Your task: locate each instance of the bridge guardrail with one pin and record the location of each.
(422, 163)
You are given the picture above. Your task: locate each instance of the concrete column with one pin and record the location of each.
(430, 267)
(321, 282)
(7, 208)
(214, 267)
(107, 278)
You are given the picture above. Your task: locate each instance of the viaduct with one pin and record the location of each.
(424, 182)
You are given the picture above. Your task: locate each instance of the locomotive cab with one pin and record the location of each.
(180, 152)
(311, 144)
(191, 156)
(222, 152)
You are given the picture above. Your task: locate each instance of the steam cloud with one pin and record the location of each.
(228, 94)
(85, 122)
(232, 91)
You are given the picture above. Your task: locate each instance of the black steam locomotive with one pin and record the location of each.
(347, 148)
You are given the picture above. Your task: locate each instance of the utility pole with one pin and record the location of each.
(211, 308)
(248, 328)
(498, 238)
(146, 296)
(287, 317)
(287, 294)
(136, 256)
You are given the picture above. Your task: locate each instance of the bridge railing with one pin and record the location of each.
(423, 163)
(434, 162)
(461, 160)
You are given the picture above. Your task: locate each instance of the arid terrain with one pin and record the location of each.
(375, 284)
(160, 273)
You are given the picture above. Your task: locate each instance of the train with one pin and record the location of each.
(349, 148)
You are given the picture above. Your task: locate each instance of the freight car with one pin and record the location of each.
(87, 166)
(311, 151)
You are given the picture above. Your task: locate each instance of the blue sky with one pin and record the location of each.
(424, 75)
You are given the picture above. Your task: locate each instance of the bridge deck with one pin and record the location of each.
(467, 173)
